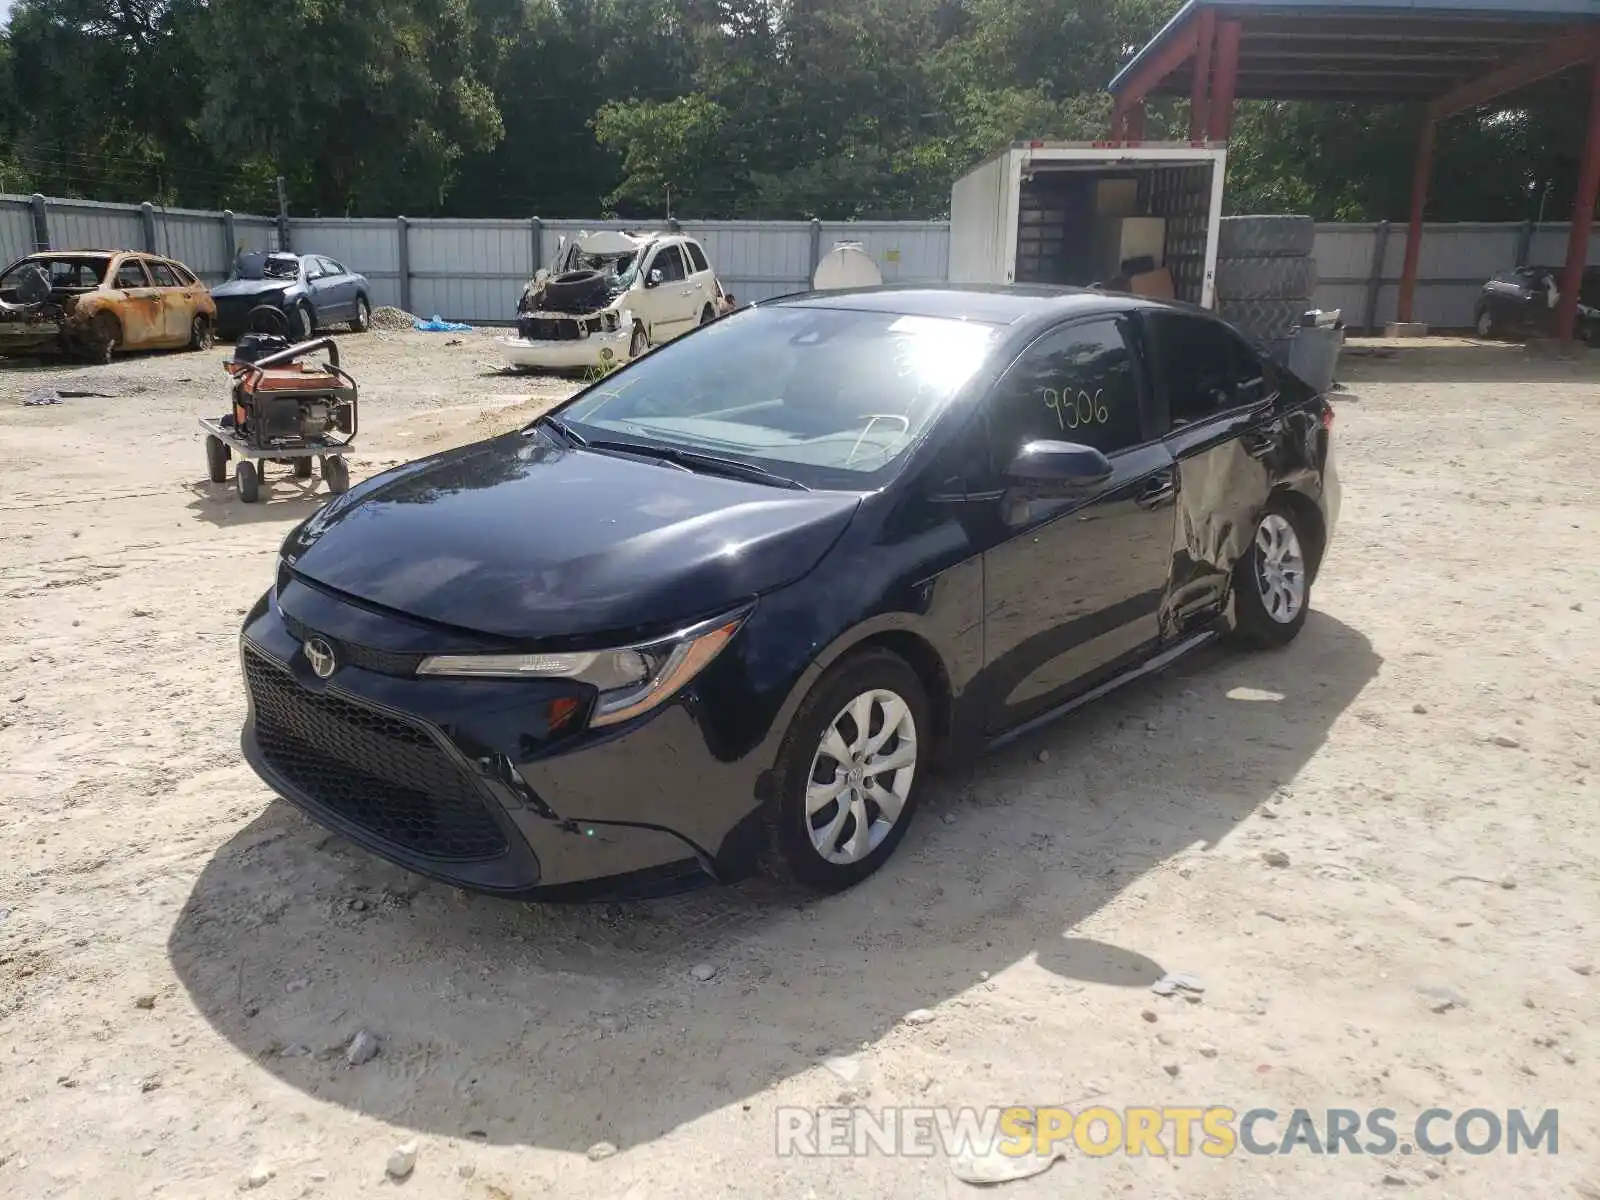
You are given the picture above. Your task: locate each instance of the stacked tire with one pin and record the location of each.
(1266, 274)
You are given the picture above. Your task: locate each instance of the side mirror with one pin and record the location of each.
(654, 278)
(1059, 467)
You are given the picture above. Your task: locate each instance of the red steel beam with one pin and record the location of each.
(1171, 56)
(1582, 215)
(1200, 93)
(1225, 86)
(1572, 48)
(1419, 206)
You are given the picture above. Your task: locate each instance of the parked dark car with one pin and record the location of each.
(744, 593)
(1520, 303)
(313, 292)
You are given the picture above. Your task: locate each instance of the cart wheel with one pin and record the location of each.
(216, 458)
(337, 472)
(302, 468)
(247, 481)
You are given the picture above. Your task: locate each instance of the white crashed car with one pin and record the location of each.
(611, 296)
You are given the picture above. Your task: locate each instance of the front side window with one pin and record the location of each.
(829, 397)
(184, 276)
(330, 267)
(670, 263)
(1074, 384)
(163, 276)
(130, 275)
(1202, 366)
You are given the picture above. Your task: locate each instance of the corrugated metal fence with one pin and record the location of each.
(473, 270)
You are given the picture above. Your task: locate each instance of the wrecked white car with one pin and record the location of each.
(611, 296)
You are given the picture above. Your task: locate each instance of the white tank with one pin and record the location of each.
(847, 265)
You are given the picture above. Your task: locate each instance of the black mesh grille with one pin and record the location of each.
(385, 662)
(550, 329)
(377, 771)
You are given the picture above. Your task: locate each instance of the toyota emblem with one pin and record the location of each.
(320, 655)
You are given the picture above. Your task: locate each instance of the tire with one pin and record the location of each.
(884, 678)
(217, 454)
(639, 343)
(574, 291)
(1483, 322)
(707, 315)
(1272, 582)
(1267, 237)
(248, 481)
(105, 331)
(302, 468)
(1267, 279)
(302, 322)
(201, 336)
(363, 318)
(1264, 320)
(336, 472)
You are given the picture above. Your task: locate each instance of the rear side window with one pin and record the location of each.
(697, 259)
(130, 275)
(1202, 367)
(1075, 384)
(163, 276)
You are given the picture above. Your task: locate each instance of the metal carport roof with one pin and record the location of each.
(1355, 50)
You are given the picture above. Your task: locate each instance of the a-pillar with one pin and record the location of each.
(1582, 215)
(1422, 176)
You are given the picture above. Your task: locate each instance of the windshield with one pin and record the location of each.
(830, 397)
(257, 264)
(66, 272)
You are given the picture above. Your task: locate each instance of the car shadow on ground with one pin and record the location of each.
(503, 1022)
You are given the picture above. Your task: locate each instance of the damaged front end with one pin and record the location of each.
(29, 322)
(576, 316)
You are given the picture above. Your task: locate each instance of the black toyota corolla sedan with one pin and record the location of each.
(735, 601)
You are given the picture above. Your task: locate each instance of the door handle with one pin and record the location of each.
(1157, 494)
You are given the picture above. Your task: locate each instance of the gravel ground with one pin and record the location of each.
(1377, 851)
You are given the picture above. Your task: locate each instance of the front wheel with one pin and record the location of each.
(336, 472)
(363, 317)
(303, 323)
(1272, 583)
(248, 482)
(1485, 324)
(639, 343)
(217, 454)
(850, 771)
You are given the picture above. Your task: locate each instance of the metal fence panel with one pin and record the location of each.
(196, 240)
(905, 251)
(1549, 247)
(471, 270)
(16, 228)
(255, 233)
(86, 225)
(367, 246)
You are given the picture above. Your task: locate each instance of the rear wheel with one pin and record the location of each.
(1272, 582)
(248, 482)
(849, 771)
(302, 468)
(707, 315)
(216, 459)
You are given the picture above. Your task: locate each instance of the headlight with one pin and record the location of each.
(631, 680)
(608, 320)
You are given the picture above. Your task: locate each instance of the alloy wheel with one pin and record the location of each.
(1280, 569)
(860, 776)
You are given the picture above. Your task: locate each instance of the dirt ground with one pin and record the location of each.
(183, 958)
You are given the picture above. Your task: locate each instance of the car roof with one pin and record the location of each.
(992, 304)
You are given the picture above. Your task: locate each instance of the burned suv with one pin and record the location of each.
(609, 297)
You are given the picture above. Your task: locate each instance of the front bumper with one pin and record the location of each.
(462, 781)
(589, 351)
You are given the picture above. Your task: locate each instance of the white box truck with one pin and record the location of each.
(1061, 212)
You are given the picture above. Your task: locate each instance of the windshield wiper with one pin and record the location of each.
(711, 464)
(562, 428)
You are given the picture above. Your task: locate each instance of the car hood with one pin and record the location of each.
(521, 538)
(252, 287)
